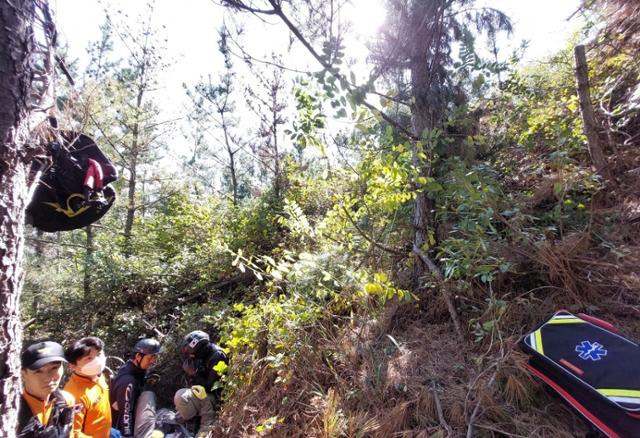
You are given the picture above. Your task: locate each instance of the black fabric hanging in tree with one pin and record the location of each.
(59, 202)
(73, 188)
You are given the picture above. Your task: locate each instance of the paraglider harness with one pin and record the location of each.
(59, 425)
(73, 169)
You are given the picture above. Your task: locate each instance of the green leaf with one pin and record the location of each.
(220, 368)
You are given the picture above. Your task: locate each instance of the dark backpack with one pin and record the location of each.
(56, 204)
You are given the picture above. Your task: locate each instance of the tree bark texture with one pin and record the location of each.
(588, 115)
(16, 79)
(428, 80)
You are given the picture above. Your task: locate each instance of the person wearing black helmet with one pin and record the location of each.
(129, 411)
(201, 359)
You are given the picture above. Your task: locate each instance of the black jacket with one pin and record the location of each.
(203, 364)
(124, 392)
(60, 423)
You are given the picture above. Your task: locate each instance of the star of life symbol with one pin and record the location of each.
(588, 350)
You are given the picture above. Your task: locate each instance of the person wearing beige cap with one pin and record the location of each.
(45, 411)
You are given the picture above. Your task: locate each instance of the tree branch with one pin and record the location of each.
(444, 289)
(278, 11)
(441, 418)
(53, 242)
(237, 4)
(369, 239)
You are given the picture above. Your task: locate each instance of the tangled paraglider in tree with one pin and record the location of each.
(73, 189)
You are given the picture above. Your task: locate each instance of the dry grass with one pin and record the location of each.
(405, 373)
(375, 376)
(364, 382)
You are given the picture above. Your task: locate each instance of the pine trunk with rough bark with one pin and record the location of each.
(427, 111)
(16, 90)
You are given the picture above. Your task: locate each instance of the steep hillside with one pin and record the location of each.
(564, 238)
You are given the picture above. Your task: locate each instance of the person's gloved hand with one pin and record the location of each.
(115, 433)
(156, 434)
(199, 392)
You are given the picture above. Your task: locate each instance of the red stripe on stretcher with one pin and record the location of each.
(599, 322)
(573, 402)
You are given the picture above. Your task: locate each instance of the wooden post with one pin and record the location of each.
(588, 116)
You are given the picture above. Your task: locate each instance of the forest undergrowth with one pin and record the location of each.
(571, 242)
(309, 284)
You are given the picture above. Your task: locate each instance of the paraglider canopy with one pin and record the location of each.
(74, 190)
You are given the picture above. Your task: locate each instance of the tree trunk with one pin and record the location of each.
(16, 74)
(588, 116)
(88, 262)
(232, 161)
(277, 177)
(427, 80)
(134, 154)
(131, 204)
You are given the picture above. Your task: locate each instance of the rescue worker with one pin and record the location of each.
(201, 359)
(133, 411)
(189, 407)
(87, 384)
(45, 411)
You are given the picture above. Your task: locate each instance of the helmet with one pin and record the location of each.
(194, 341)
(146, 346)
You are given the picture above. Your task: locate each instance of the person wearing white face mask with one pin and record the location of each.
(87, 384)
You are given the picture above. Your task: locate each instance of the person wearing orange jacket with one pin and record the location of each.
(45, 411)
(87, 384)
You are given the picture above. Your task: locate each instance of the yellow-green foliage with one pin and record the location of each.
(540, 106)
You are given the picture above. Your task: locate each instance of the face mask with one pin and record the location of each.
(94, 367)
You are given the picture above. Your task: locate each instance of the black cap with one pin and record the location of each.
(39, 354)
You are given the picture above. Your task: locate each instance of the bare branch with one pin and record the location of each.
(369, 239)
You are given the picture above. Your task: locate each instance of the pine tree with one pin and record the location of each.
(24, 86)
